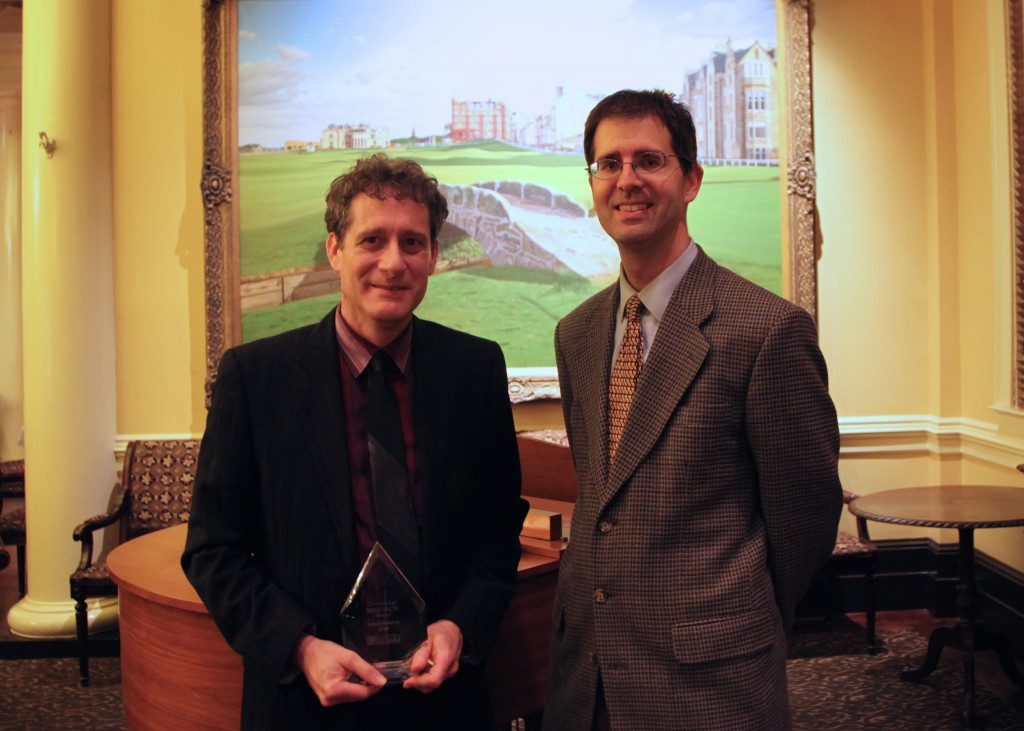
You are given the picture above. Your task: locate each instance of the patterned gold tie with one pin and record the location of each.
(625, 374)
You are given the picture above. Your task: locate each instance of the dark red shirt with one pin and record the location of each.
(354, 354)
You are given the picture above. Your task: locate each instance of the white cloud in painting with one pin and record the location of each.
(268, 92)
(401, 68)
(723, 19)
(291, 53)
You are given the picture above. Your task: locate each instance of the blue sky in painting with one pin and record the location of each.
(304, 64)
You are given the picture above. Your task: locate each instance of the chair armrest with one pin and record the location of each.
(862, 523)
(862, 529)
(83, 532)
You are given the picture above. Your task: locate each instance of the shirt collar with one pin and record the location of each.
(658, 292)
(357, 350)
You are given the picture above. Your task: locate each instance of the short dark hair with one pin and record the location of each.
(647, 103)
(379, 176)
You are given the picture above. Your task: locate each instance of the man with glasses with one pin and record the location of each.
(706, 447)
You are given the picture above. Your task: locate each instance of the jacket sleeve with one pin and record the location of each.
(794, 437)
(480, 603)
(564, 382)
(259, 620)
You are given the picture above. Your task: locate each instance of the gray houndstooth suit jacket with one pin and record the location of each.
(686, 559)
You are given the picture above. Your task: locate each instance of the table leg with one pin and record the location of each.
(939, 638)
(965, 636)
(985, 639)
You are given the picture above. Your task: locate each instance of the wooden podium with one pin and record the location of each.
(179, 673)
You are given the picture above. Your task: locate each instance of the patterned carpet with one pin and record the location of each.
(834, 685)
(40, 695)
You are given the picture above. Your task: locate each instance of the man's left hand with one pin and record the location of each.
(438, 657)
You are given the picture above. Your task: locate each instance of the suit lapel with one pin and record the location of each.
(676, 356)
(592, 352)
(318, 390)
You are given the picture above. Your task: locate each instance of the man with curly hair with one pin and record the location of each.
(286, 508)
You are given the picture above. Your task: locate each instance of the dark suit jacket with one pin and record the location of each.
(271, 546)
(687, 558)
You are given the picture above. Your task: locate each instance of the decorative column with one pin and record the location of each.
(67, 298)
(11, 417)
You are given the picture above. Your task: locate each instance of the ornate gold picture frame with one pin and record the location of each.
(220, 166)
(1015, 67)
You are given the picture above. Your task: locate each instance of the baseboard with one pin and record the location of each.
(921, 574)
(104, 644)
(1002, 607)
(909, 574)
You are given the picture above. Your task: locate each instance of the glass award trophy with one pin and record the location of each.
(382, 618)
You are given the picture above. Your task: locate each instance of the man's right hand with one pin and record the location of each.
(328, 667)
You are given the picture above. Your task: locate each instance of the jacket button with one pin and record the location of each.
(606, 526)
(599, 596)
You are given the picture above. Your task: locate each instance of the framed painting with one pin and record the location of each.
(1015, 68)
(492, 103)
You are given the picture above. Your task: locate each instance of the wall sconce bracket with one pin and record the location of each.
(47, 144)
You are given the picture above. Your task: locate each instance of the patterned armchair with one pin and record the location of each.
(156, 492)
(12, 519)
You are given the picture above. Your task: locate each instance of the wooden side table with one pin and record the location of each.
(965, 508)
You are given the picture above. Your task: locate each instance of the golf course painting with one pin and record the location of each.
(490, 99)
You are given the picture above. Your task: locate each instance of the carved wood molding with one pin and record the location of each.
(217, 184)
(1015, 68)
(800, 174)
(522, 389)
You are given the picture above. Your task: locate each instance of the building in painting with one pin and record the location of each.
(562, 128)
(353, 137)
(733, 98)
(472, 121)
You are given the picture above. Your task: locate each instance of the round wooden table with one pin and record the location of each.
(965, 508)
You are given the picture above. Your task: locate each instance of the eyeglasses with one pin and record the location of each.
(644, 163)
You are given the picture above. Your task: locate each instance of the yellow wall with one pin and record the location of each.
(985, 241)
(912, 151)
(158, 217)
(873, 157)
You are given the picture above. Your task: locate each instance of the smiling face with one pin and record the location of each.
(644, 213)
(383, 259)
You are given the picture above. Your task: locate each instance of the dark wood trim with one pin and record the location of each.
(103, 644)
(910, 574)
(1002, 609)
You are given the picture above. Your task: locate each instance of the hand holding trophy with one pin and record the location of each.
(382, 619)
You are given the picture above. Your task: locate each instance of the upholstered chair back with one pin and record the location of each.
(160, 474)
